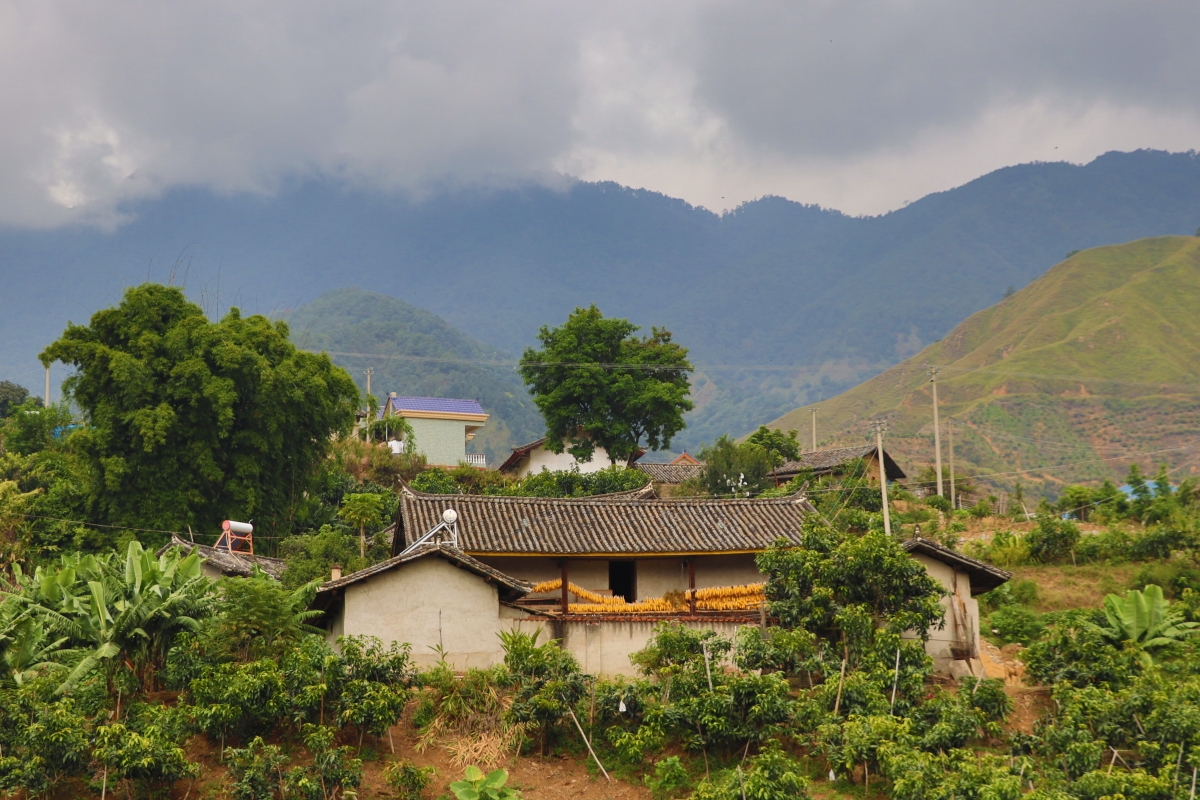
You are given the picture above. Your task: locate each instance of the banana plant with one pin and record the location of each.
(1145, 619)
(118, 613)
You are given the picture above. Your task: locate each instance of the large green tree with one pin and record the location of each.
(598, 385)
(191, 421)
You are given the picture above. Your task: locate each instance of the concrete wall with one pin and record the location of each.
(540, 457)
(427, 602)
(443, 441)
(962, 620)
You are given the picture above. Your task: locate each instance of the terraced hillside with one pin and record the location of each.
(1092, 366)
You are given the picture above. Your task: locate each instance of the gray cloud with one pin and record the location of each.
(717, 102)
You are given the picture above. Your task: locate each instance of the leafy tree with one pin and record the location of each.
(598, 385)
(333, 769)
(257, 770)
(783, 448)
(11, 396)
(736, 469)
(549, 682)
(361, 510)
(309, 556)
(1052, 539)
(32, 427)
(261, 618)
(191, 421)
(845, 587)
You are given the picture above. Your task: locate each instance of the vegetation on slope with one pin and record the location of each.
(417, 353)
(1094, 365)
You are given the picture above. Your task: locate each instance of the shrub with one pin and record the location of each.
(669, 778)
(1052, 539)
(144, 758)
(1014, 623)
(938, 503)
(257, 770)
(333, 769)
(1077, 651)
(1174, 576)
(408, 780)
(1159, 542)
(435, 480)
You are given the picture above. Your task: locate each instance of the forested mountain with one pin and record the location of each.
(781, 303)
(1092, 367)
(431, 358)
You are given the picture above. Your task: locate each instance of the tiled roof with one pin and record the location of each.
(240, 564)
(820, 461)
(605, 525)
(670, 473)
(455, 556)
(984, 576)
(443, 404)
(519, 453)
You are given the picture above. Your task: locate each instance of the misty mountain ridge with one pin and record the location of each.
(780, 303)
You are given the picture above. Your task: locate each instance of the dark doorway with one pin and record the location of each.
(622, 579)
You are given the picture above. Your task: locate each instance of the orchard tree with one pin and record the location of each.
(598, 385)
(190, 421)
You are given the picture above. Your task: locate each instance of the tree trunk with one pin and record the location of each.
(362, 541)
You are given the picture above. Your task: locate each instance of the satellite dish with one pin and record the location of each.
(449, 516)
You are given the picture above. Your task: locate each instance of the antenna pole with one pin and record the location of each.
(370, 372)
(814, 428)
(878, 427)
(47, 387)
(937, 434)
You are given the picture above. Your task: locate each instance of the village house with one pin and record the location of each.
(530, 459)
(836, 461)
(668, 476)
(441, 427)
(597, 573)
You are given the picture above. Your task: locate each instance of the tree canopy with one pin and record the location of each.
(598, 385)
(191, 421)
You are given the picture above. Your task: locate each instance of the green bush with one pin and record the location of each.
(257, 770)
(408, 780)
(1076, 651)
(1174, 576)
(1014, 623)
(938, 503)
(435, 480)
(669, 779)
(1052, 540)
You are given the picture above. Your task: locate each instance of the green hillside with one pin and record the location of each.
(1087, 369)
(412, 341)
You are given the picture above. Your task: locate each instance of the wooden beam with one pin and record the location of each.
(565, 600)
(692, 585)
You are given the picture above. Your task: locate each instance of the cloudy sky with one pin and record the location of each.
(854, 105)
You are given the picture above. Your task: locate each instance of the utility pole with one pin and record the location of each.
(814, 429)
(950, 430)
(878, 427)
(47, 387)
(937, 435)
(370, 372)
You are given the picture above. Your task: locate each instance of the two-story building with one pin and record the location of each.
(441, 427)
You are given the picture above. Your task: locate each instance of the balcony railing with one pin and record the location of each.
(476, 460)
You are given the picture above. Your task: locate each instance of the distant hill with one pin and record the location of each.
(785, 303)
(1095, 361)
(430, 358)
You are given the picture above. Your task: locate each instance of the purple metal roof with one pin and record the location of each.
(443, 404)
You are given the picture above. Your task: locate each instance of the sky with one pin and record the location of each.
(855, 105)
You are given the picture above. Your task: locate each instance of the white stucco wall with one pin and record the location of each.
(540, 457)
(442, 441)
(426, 603)
(962, 616)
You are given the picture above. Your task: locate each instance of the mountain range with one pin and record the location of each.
(1092, 367)
(781, 303)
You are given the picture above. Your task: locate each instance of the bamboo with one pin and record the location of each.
(895, 681)
(579, 728)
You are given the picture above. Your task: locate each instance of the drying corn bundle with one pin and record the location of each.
(715, 598)
(583, 594)
(729, 598)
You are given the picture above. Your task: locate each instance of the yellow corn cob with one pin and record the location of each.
(714, 598)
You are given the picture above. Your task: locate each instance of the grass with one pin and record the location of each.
(1062, 588)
